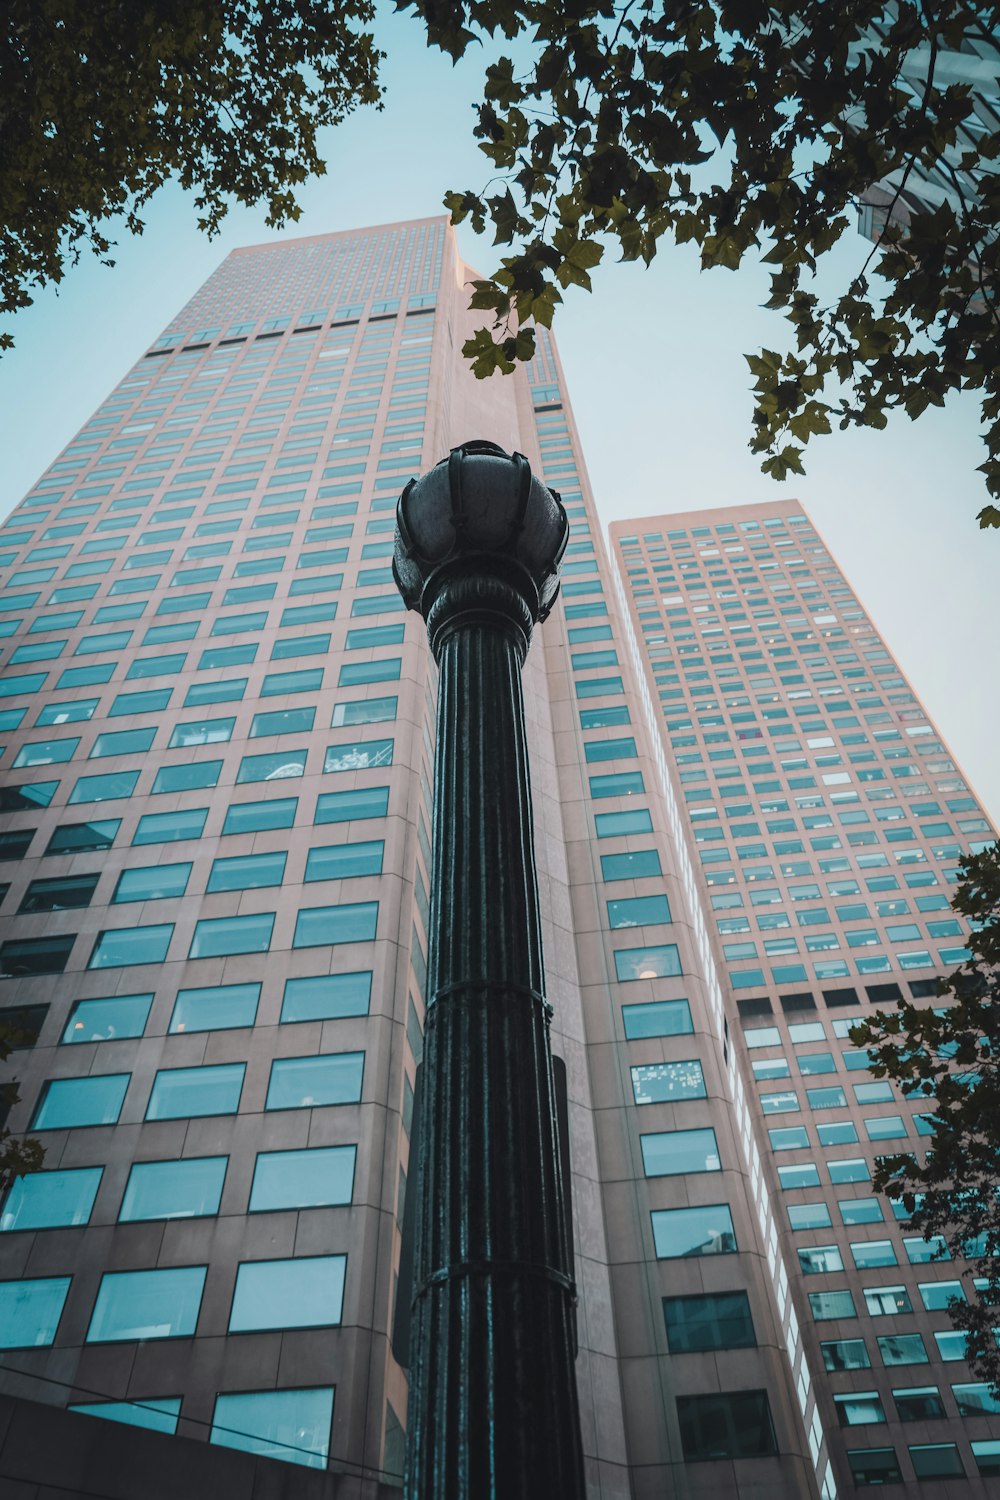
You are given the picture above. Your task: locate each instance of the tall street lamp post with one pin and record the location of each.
(493, 1409)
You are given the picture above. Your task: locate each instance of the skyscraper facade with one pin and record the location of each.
(826, 817)
(218, 732)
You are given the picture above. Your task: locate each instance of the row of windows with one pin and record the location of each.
(214, 937)
(211, 1089)
(174, 827)
(190, 1188)
(306, 1292)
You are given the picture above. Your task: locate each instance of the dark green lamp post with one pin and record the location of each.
(493, 1409)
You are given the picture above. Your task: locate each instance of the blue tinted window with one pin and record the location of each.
(675, 1152)
(352, 674)
(131, 945)
(309, 1082)
(201, 732)
(307, 1292)
(171, 827)
(282, 721)
(70, 1102)
(30, 1311)
(663, 1082)
(218, 936)
(320, 925)
(253, 817)
(345, 807)
(104, 788)
(312, 1178)
(186, 1189)
(647, 963)
(680, 1233)
(341, 861)
(51, 1200)
(359, 756)
(217, 1007)
(280, 765)
(45, 752)
(657, 1018)
(108, 1019)
(246, 872)
(326, 997)
(215, 692)
(159, 1413)
(630, 866)
(153, 701)
(147, 1305)
(293, 1426)
(364, 711)
(200, 773)
(613, 825)
(277, 684)
(151, 883)
(63, 713)
(638, 911)
(182, 1093)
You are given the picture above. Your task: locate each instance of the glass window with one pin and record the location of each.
(975, 1400)
(720, 1320)
(216, 937)
(919, 1403)
(781, 1102)
(818, 1259)
(186, 1189)
(314, 1178)
(254, 817)
(937, 1295)
(805, 1174)
(290, 1425)
(122, 946)
(59, 893)
(170, 827)
(874, 1466)
(363, 711)
(919, 1251)
(659, 1083)
(951, 1345)
(159, 1413)
(726, 1425)
(936, 1461)
(901, 1349)
(845, 1354)
(870, 1253)
(107, 1019)
(682, 1232)
(30, 1311)
(183, 1093)
(126, 704)
(630, 866)
(70, 1102)
(346, 807)
(201, 732)
(638, 911)
(220, 1007)
(45, 752)
(122, 742)
(342, 861)
(859, 1408)
(201, 773)
(618, 824)
(827, 1305)
(278, 766)
(360, 756)
(246, 872)
(883, 1301)
(277, 684)
(50, 1200)
(215, 692)
(670, 1153)
(657, 1018)
(104, 788)
(320, 925)
(309, 1082)
(307, 1292)
(327, 997)
(28, 796)
(134, 1305)
(658, 962)
(282, 721)
(151, 883)
(987, 1457)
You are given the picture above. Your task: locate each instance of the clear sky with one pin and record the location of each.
(655, 372)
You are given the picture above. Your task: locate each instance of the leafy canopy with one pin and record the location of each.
(951, 1058)
(101, 101)
(749, 128)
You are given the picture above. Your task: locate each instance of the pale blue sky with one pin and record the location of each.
(656, 376)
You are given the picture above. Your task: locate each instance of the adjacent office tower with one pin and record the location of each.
(826, 816)
(218, 735)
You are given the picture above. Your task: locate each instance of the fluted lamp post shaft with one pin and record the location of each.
(493, 1411)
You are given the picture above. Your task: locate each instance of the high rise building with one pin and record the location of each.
(826, 816)
(218, 728)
